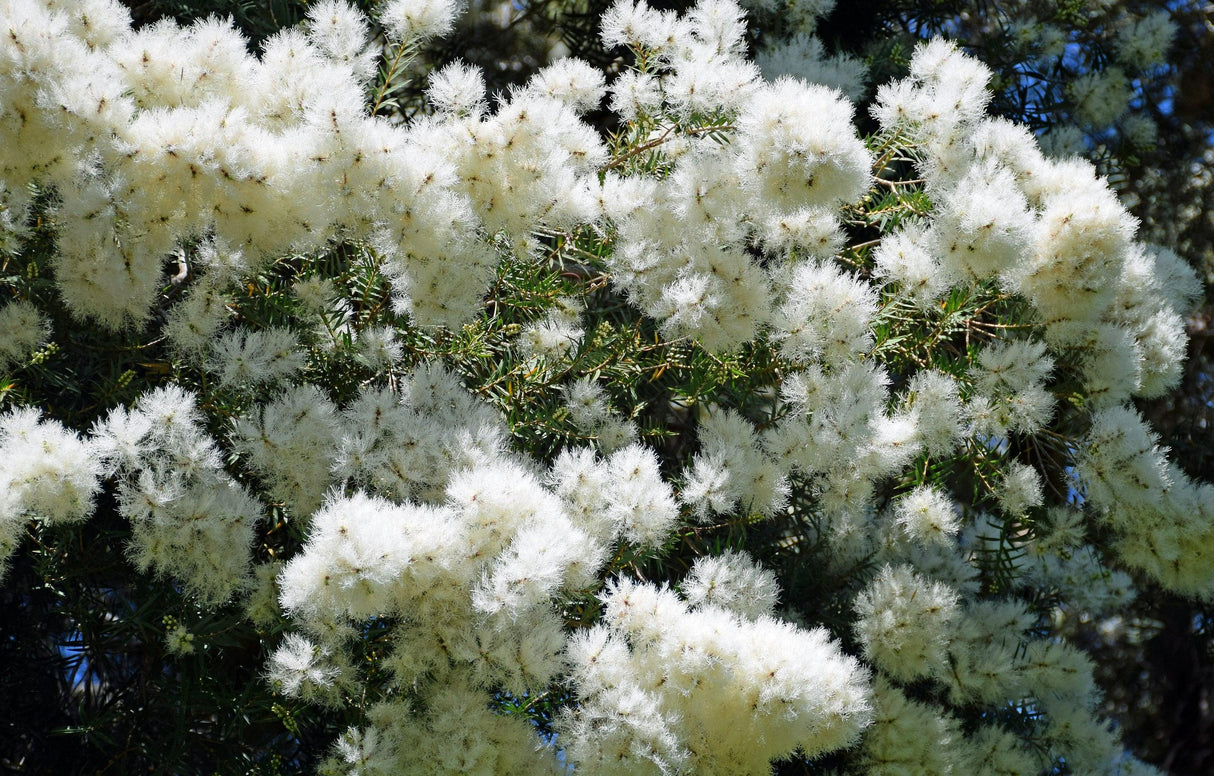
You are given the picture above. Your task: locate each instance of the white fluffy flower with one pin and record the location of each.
(946, 91)
(300, 668)
(357, 550)
(1144, 40)
(1020, 490)
(634, 93)
(341, 31)
(542, 557)
(557, 335)
(379, 347)
(812, 232)
(245, 357)
(458, 89)
(704, 689)
(572, 82)
(927, 515)
(902, 622)
(290, 442)
(22, 330)
(1010, 385)
(797, 147)
(935, 402)
(732, 469)
(732, 581)
(803, 56)
(1100, 96)
(414, 21)
(984, 227)
(909, 737)
(638, 500)
(48, 470)
(825, 314)
(905, 258)
(983, 646)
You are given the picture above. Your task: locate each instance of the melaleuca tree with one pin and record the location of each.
(482, 441)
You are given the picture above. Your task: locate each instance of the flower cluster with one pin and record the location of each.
(47, 473)
(189, 517)
(668, 687)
